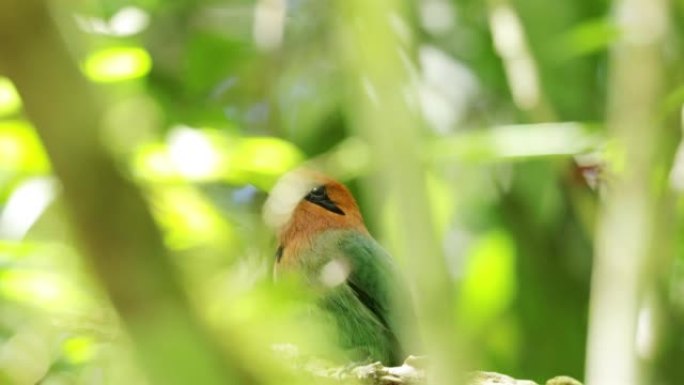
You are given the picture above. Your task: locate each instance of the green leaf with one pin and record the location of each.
(10, 102)
(20, 149)
(117, 64)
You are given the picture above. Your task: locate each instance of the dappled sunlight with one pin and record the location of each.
(189, 219)
(25, 206)
(117, 64)
(44, 289)
(518, 142)
(192, 154)
(20, 149)
(437, 16)
(520, 161)
(269, 24)
(10, 102)
(447, 89)
(211, 155)
(489, 281)
(127, 21)
(79, 349)
(510, 43)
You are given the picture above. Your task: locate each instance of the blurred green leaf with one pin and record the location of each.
(210, 60)
(587, 38)
(78, 349)
(117, 64)
(515, 142)
(26, 357)
(262, 160)
(188, 218)
(489, 284)
(10, 102)
(210, 155)
(20, 148)
(46, 290)
(215, 119)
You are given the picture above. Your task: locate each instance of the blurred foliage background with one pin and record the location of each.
(205, 103)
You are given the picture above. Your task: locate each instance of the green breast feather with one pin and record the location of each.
(369, 306)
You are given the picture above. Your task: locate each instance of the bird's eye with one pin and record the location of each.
(319, 196)
(318, 192)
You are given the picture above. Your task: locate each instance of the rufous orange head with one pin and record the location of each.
(304, 202)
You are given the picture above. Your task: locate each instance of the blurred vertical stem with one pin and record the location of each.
(376, 47)
(522, 73)
(109, 213)
(628, 219)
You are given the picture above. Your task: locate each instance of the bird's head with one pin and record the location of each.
(304, 202)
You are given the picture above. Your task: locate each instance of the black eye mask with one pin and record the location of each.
(319, 196)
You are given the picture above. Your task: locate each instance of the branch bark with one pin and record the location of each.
(412, 372)
(108, 212)
(376, 48)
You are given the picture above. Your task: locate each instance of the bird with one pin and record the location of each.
(322, 238)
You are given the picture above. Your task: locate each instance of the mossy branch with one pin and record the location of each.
(414, 371)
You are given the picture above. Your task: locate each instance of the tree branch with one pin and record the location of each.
(109, 214)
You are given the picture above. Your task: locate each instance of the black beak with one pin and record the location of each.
(319, 196)
(330, 206)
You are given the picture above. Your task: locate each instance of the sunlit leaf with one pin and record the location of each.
(503, 339)
(41, 275)
(504, 143)
(25, 205)
(188, 155)
(78, 349)
(152, 162)
(210, 155)
(9, 98)
(489, 285)
(262, 160)
(117, 64)
(39, 288)
(20, 148)
(588, 37)
(11, 250)
(197, 154)
(188, 218)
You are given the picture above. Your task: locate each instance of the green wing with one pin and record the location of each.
(371, 306)
(376, 284)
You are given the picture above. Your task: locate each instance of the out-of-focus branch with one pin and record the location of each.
(376, 47)
(522, 72)
(628, 220)
(108, 212)
(411, 372)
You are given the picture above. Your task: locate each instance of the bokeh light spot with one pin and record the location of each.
(192, 153)
(117, 64)
(78, 350)
(269, 155)
(25, 205)
(9, 98)
(35, 287)
(20, 148)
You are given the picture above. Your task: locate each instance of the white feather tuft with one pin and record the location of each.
(286, 195)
